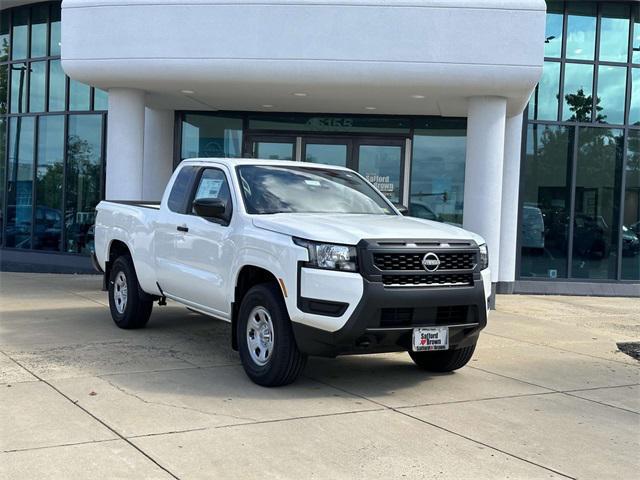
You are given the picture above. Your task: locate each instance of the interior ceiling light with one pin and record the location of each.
(187, 92)
(300, 94)
(369, 108)
(267, 106)
(417, 96)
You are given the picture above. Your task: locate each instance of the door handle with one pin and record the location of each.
(182, 228)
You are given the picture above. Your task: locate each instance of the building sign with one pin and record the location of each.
(382, 183)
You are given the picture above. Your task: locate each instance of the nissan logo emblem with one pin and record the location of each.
(430, 262)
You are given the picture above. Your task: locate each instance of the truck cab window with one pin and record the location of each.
(213, 185)
(180, 189)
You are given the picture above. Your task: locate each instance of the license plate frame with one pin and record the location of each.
(430, 339)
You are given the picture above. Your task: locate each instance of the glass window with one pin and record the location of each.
(612, 82)
(54, 34)
(634, 110)
(39, 19)
(578, 92)
(597, 203)
(79, 96)
(437, 172)
(20, 32)
(213, 185)
(544, 101)
(20, 183)
(100, 99)
(211, 136)
(546, 201)
(329, 154)
(553, 31)
(382, 166)
(614, 32)
(4, 84)
(4, 38)
(37, 86)
(3, 158)
(18, 87)
(178, 195)
(83, 178)
(57, 90)
(274, 150)
(308, 123)
(47, 232)
(581, 30)
(631, 215)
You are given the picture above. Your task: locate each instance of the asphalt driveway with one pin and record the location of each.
(548, 395)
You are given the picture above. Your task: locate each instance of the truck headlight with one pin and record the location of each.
(329, 256)
(484, 256)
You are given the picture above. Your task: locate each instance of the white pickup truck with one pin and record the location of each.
(302, 259)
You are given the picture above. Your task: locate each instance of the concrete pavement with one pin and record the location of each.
(547, 395)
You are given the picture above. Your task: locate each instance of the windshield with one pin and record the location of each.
(276, 189)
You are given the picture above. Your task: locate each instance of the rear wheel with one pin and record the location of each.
(268, 349)
(129, 308)
(443, 361)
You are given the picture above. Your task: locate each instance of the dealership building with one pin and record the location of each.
(519, 120)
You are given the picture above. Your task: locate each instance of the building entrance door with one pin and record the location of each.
(380, 160)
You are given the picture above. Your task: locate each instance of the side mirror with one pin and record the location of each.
(211, 208)
(401, 208)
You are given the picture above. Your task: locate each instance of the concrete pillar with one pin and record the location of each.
(510, 192)
(158, 152)
(483, 172)
(125, 144)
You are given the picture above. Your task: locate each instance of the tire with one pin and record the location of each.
(130, 310)
(445, 361)
(266, 343)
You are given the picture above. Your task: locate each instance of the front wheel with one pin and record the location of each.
(443, 361)
(129, 308)
(268, 349)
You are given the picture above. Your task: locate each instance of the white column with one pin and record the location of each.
(510, 191)
(158, 152)
(483, 172)
(125, 144)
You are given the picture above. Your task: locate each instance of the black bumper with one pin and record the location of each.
(384, 320)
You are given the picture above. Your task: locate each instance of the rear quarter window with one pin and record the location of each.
(181, 189)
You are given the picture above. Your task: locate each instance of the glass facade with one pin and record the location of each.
(580, 208)
(51, 138)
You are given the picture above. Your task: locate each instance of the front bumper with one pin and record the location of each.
(384, 319)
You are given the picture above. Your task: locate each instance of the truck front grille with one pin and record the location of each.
(432, 280)
(413, 261)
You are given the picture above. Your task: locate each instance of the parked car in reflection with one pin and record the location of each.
(421, 210)
(630, 242)
(46, 233)
(532, 227)
(590, 237)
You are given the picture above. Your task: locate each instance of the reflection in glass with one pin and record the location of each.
(57, 91)
(39, 19)
(47, 232)
(18, 102)
(634, 110)
(326, 153)
(614, 32)
(79, 96)
(4, 83)
(3, 158)
(83, 178)
(578, 93)
(612, 83)
(312, 123)
(597, 203)
(4, 38)
(437, 173)
(20, 30)
(100, 99)
(211, 136)
(54, 34)
(636, 34)
(553, 31)
(37, 86)
(631, 215)
(381, 165)
(581, 30)
(273, 150)
(543, 104)
(20, 183)
(546, 201)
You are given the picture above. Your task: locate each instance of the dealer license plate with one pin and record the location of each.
(429, 339)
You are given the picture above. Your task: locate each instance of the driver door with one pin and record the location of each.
(202, 249)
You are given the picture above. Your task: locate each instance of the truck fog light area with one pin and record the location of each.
(329, 256)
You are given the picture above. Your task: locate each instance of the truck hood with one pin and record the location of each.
(349, 229)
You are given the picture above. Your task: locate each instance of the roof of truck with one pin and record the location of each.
(233, 162)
